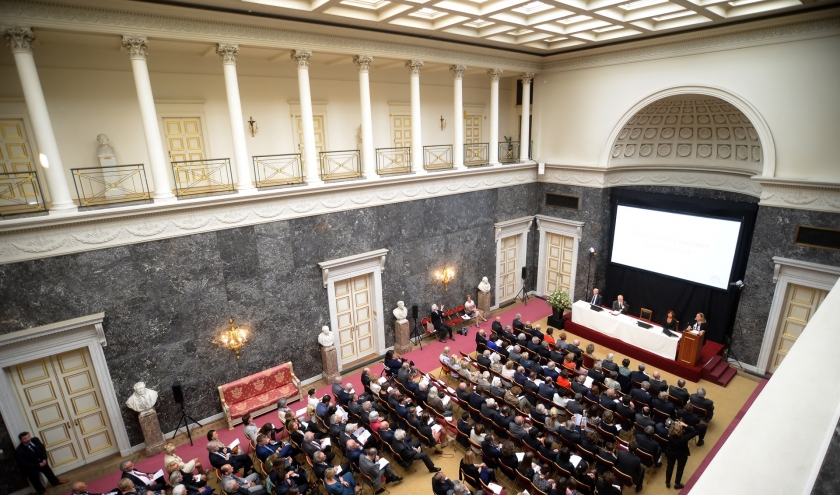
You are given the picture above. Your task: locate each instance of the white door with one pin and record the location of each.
(558, 262)
(320, 135)
(800, 305)
(16, 156)
(401, 128)
(184, 138)
(472, 129)
(355, 317)
(507, 268)
(64, 406)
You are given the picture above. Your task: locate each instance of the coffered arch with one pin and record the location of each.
(692, 127)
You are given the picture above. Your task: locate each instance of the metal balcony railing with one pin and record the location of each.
(20, 193)
(278, 170)
(476, 155)
(111, 185)
(393, 161)
(340, 165)
(203, 177)
(437, 157)
(508, 152)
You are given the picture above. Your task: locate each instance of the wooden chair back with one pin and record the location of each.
(645, 314)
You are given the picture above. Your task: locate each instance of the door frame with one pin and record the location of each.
(516, 227)
(369, 263)
(560, 226)
(49, 340)
(319, 109)
(786, 272)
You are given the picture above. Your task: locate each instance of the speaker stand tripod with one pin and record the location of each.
(522, 294)
(186, 419)
(417, 334)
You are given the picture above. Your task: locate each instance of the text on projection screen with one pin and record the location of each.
(697, 249)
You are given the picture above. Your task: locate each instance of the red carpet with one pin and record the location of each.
(426, 360)
(688, 372)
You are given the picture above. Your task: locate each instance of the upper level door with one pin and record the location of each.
(184, 138)
(800, 305)
(401, 128)
(472, 129)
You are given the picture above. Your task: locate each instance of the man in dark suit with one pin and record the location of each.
(534, 345)
(661, 403)
(31, 456)
(484, 359)
(620, 306)
(629, 463)
(596, 299)
(570, 432)
(689, 417)
(386, 433)
(491, 452)
(465, 428)
(532, 439)
(625, 408)
(517, 323)
(476, 401)
(480, 340)
(310, 446)
(289, 481)
(128, 472)
(647, 443)
(536, 367)
(265, 449)
(441, 485)
(546, 390)
(462, 393)
(488, 409)
(536, 331)
(557, 355)
(497, 327)
(409, 453)
(440, 327)
(679, 391)
(219, 457)
(578, 386)
(320, 465)
(595, 373)
(574, 348)
(608, 363)
(699, 399)
(640, 375)
(575, 406)
(503, 418)
(643, 419)
(657, 385)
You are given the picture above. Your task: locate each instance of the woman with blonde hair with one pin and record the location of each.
(343, 485)
(171, 456)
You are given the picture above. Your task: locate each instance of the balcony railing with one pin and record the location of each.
(437, 157)
(393, 161)
(508, 152)
(278, 170)
(340, 165)
(476, 155)
(112, 185)
(20, 194)
(203, 177)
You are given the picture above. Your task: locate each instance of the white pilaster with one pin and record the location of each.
(494, 74)
(368, 157)
(240, 148)
(414, 67)
(310, 154)
(158, 163)
(458, 124)
(20, 39)
(525, 136)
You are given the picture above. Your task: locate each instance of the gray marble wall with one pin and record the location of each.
(165, 300)
(774, 234)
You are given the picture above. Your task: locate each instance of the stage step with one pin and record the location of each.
(710, 365)
(726, 377)
(719, 369)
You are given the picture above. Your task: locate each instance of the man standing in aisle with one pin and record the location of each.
(620, 305)
(31, 456)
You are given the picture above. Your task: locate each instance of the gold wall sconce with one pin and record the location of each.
(446, 275)
(442, 123)
(233, 338)
(252, 127)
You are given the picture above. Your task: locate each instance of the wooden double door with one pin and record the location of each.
(355, 318)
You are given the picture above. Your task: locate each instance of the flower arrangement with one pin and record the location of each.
(559, 300)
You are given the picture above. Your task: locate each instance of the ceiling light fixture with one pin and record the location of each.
(673, 15)
(739, 3)
(574, 19)
(532, 8)
(640, 4)
(607, 28)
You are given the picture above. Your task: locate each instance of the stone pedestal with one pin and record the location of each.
(483, 303)
(329, 362)
(151, 433)
(402, 333)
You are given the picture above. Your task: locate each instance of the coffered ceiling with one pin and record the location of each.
(533, 26)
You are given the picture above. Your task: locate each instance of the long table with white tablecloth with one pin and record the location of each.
(624, 328)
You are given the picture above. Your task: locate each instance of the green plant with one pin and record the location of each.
(559, 299)
(509, 140)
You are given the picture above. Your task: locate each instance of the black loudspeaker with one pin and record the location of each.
(178, 392)
(524, 272)
(414, 311)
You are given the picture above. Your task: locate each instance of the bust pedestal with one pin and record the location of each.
(402, 335)
(151, 432)
(329, 362)
(483, 303)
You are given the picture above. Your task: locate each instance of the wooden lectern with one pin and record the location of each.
(690, 346)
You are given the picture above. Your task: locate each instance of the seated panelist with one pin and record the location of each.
(670, 321)
(621, 306)
(596, 298)
(699, 325)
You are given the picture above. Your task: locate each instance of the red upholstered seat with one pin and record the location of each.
(258, 392)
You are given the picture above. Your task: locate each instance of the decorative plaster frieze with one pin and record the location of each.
(43, 237)
(799, 194)
(783, 33)
(195, 25)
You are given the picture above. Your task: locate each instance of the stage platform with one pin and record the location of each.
(690, 373)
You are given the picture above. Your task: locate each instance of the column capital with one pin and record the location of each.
(495, 74)
(457, 71)
(414, 66)
(302, 58)
(137, 46)
(363, 62)
(19, 38)
(527, 77)
(228, 53)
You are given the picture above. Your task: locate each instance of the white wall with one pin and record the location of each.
(792, 85)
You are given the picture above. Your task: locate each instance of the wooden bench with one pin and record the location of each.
(258, 393)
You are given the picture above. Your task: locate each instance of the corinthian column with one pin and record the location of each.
(310, 155)
(414, 67)
(20, 39)
(368, 157)
(525, 136)
(160, 166)
(494, 74)
(240, 148)
(458, 125)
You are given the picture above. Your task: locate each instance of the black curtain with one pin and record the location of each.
(660, 293)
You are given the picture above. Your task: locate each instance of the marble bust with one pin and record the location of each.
(400, 312)
(143, 399)
(484, 285)
(105, 152)
(325, 338)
